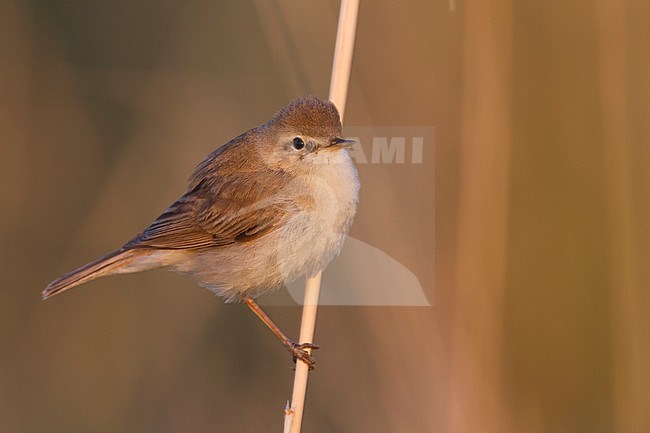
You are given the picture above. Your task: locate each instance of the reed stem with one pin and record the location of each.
(338, 94)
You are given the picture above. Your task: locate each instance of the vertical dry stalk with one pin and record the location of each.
(476, 395)
(338, 94)
(343, 54)
(631, 348)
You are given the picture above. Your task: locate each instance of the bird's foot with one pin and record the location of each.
(298, 351)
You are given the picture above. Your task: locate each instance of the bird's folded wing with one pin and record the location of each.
(213, 215)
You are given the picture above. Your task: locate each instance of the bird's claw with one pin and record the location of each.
(298, 351)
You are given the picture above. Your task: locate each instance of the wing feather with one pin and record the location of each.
(217, 212)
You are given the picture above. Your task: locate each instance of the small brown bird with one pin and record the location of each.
(271, 205)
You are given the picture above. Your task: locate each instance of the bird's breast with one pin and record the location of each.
(316, 234)
(322, 204)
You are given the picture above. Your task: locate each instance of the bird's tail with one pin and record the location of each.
(116, 262)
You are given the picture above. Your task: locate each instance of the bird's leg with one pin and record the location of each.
(297, 350)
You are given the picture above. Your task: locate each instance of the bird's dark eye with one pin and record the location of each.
(298, 143)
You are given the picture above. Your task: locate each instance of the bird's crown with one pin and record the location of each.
(309, 116)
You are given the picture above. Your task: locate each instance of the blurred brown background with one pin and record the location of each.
(528, 225)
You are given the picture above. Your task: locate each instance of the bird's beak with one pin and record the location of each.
(342, 142)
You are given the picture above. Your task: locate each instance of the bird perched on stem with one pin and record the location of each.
(273, 204)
